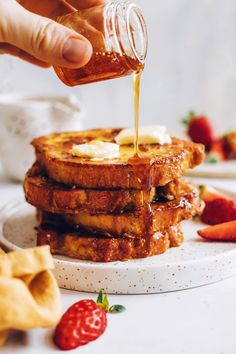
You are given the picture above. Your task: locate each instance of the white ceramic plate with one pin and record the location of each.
(225, 169)
(195, 263)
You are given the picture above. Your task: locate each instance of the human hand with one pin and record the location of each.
(25, 33)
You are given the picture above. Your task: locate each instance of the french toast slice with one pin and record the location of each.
(143, 222)
(54, 197)
(102, 249)
(162, 163)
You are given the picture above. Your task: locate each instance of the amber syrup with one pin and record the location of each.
(137, 159)
(102, 66)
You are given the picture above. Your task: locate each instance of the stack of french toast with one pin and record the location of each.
(111, 209)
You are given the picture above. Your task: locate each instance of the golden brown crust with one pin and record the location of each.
(145, 221)
(167, 162)
(54, 197)
(50, 196)
(75, 245)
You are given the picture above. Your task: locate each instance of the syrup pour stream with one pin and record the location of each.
(137, 159)
(137, 77)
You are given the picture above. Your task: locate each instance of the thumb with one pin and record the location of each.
(43, 38)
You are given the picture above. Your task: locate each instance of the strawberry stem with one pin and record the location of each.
(225, 134)
(202, 189)
(103, 301)
(100, 296)
(188, 118)
(106, 303)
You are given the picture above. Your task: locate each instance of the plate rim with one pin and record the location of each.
(204, 170)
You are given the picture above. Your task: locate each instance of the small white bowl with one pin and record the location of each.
(24, 117)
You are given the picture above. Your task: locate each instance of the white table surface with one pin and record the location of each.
(195, 321)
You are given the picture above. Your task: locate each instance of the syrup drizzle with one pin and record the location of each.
(137, 77)
(136, 158)
(142, 160)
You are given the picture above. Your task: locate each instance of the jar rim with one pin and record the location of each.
(130, 7)
(127, 10)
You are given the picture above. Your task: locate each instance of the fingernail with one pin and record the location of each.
(75, 50)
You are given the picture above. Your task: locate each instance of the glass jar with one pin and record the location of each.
(118, 35)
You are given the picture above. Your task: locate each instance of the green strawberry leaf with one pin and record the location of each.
(225, 134)
(117, 309)
(189, 118)
(106, 303)
(212, 160)
(100, 297)
(102, 300)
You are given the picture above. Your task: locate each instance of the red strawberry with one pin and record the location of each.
(229, 143)
(220, 232)
(82, 323)
(199, 129)
(208, 193)
(217, 152)
(218, 211)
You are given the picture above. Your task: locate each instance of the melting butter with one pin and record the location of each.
(96, 150)
(155, 134)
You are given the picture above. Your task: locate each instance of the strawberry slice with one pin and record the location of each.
(229, 144)
(199, 129)
(208, 193)
(218, 211)
(82, 323)
(217, 152)
(220, 232)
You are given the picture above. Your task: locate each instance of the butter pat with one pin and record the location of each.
(96, 150)
(155, 134)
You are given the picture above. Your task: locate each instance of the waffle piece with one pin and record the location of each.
(48, 195)
(143, 222)
(161, 165)
(103, 249)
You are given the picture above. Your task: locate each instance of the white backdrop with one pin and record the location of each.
(191, 64)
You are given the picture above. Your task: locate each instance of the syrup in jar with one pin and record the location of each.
(118, 35)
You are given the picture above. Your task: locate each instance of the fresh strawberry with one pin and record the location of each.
(217, 152)
(82, 323)
(220, 232)
(229, 144)
(218, 211)
(208, 193)
(199, 129)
